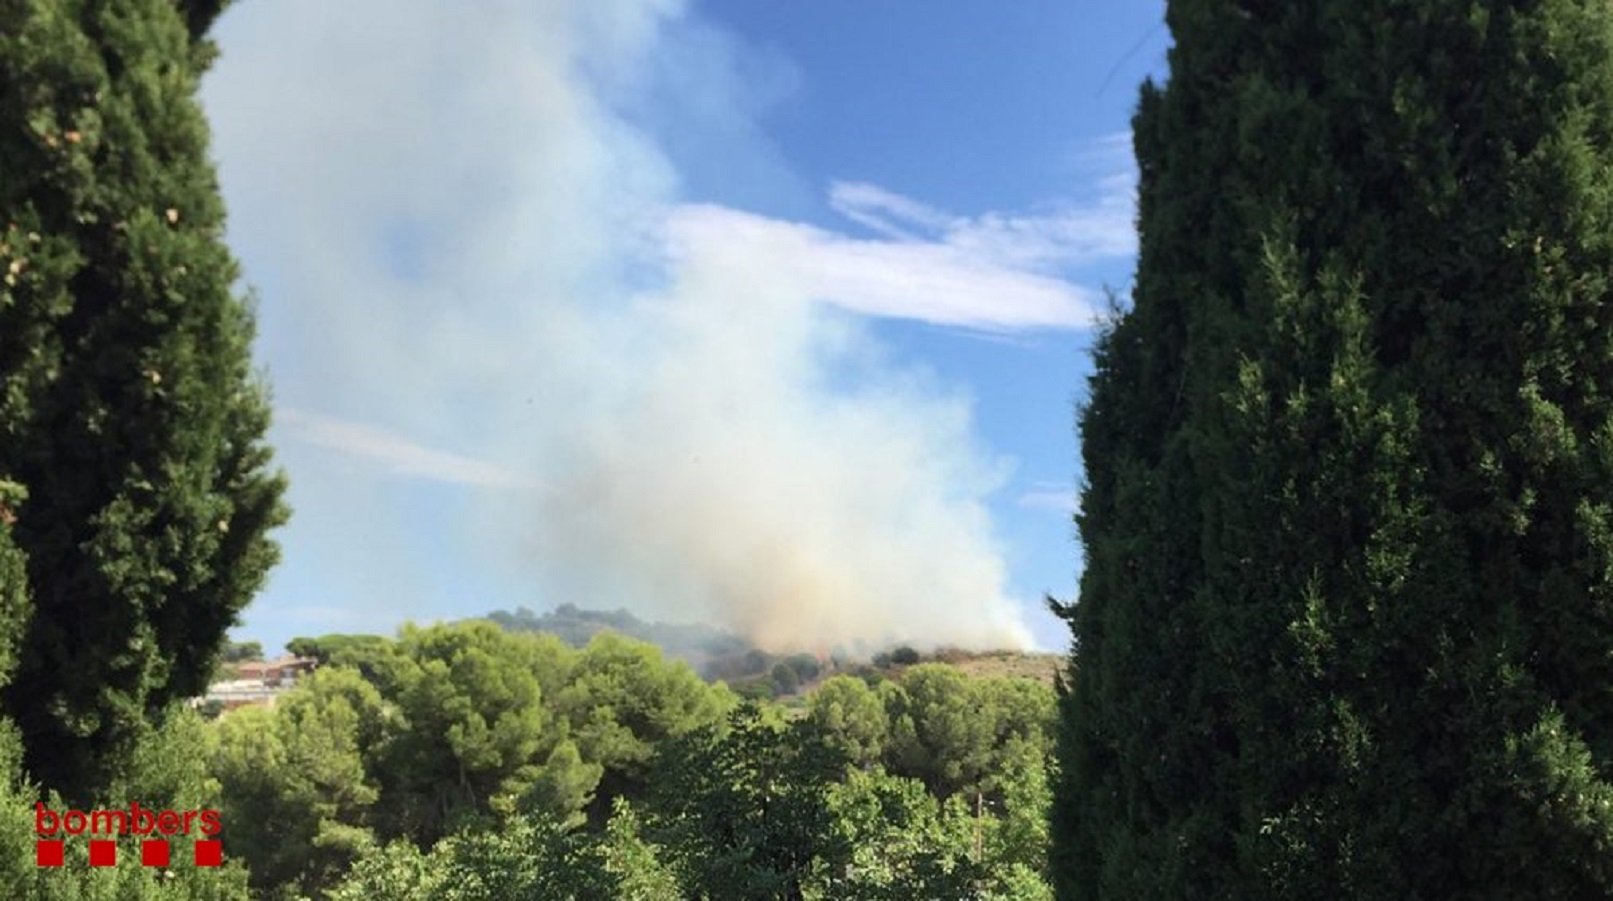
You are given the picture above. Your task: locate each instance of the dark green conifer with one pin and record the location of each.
(14, 607)
(128, 408)
(1346, 621)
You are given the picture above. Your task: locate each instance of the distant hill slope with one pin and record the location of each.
(716, 654)
(719, 654)
(1040, 667)
(574, 625)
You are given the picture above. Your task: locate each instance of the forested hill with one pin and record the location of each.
(717, 654)
(575, 626)
(713, 653)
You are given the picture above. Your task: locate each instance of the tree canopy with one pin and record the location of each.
(1345, 621)
(129, 410)
(469, 762)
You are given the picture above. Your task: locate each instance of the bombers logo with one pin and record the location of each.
(105, 826)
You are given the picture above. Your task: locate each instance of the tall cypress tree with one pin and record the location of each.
(1345, 627)
(128, 408)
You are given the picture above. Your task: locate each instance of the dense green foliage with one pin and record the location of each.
(167, 771)
(14, 604)
(297, 797)
(371, 655)
(744, 811)
(620, 701)
(446, 729)
(128, 408)
(853, 717)
(1347, 611)
(237, 652)
(470, 762)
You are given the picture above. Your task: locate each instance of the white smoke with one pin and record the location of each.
(474, 271)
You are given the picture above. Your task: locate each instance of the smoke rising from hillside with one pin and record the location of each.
(497, 331)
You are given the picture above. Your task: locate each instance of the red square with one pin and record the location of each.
(48, 854)
(154, 853)
(209, 853)
(103, 852)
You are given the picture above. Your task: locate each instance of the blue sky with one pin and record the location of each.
(770, 314)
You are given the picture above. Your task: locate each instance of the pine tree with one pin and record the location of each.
(128, 408)
(1346, 620)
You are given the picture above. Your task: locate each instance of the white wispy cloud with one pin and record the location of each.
(975, 281)
(393, 453)
(994, 272)
(887, 212)
(1055, 239)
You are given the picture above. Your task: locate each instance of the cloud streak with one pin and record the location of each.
(1062, 237)
(940, 282)
(394, 454)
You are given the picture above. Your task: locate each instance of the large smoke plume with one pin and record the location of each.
(499, 335)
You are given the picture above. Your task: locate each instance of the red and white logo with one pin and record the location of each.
(104, 827)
